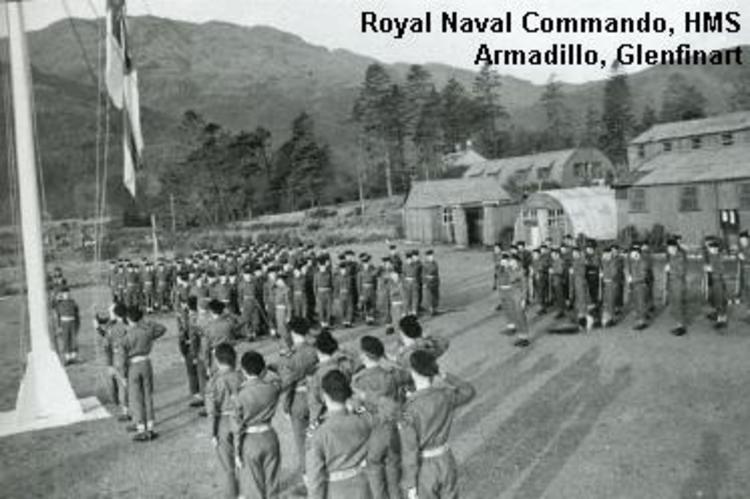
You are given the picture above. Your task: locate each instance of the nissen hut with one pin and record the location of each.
(462, 211)
(591, 211)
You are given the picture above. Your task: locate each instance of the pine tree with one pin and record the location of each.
(428, 137)
(489, 110)
(458, 114)
(370, 111)
(617, 117)
(592, 128)
(416, 93)
(648, 119)
(681, 100)
(557, 114)
(740, 98)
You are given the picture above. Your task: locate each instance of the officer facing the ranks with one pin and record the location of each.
(137, 346)
(221, 398)
(367, 278)
(676, 281)
(430, 469)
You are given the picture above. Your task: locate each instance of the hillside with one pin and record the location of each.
(243, 77)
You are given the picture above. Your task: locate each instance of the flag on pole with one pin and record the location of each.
(122, 86)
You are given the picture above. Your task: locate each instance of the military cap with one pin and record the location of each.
(713, 243)
(672, 241)
(744, 234)
(424, 363)
(299, 325)
(392, 247)
(410, 326)
(386, 259)
(429, 252)
(372, 346)
(336, 385)
(326, 343)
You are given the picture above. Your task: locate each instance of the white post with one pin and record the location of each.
(45, 393)
(31, 225)
(154, 238)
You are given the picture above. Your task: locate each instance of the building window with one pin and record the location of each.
(641, 151)
(696, 142)
(744, 196)
(555, 218)
(689, 198)
(543, 173)
(638, 200)
(447, 216)
(596, 170)
(727, 139)
(579, 170)
(667, 146)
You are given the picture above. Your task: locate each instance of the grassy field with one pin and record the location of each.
(612, 414)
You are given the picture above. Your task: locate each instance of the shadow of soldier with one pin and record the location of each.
(543, 433)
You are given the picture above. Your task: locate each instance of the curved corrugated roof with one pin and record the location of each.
(505, 168)
(456, 191)
(592, 210)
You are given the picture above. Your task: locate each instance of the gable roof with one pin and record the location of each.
(714, 124)
(525, 167)
(467, 157)
(591, 210)
(697, 165)
(457, 191)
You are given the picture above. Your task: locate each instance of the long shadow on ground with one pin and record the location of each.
(542, 434)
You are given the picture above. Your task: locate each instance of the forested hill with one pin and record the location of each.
(244, 78)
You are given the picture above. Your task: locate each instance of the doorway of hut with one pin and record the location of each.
(474, 225)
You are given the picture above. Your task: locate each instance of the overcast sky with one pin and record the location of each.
(336, 24)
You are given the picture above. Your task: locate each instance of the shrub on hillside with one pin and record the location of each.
(322, 213)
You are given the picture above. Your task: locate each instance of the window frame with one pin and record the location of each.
(667, 146)
(743, 196)
(727, 139)
(696, 142)
(447, 216)
(682, 205)
(642, 207)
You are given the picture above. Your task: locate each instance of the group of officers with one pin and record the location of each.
(600, 286)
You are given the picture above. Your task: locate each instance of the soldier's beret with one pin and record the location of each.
(216, 307)
(429, 252)
(299, 325)
(424, 363)
(386, 259)
(326, 343)
(65, 289)
(635, 249)
(713, 243)
(672, 242)
(392, 247)
(336, 385)
(372, 346)
(410, 326)
(744, 234)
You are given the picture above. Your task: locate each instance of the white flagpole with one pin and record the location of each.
(45, 391)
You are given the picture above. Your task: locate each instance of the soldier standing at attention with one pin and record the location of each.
(329, 358)
(221, 406)
(258, 450)
(497, 252)
(411, 296)
(718, 288)
(593, 268)
(395, 299)
(294, 369)
(367, 284)
(430, 470)
(558, 283)
(68, 324)
(431, 277)
(676, 281)
(283, 308)
(338, 450)
(638, 287)
(247, 304)
(743, 257)
(411, 339)
(137, 346)
(579, 290)
(513, 291)
(299, 298)
(187, 339)
(133, 287)
(163, 277)
(378, 387)
(344, 293)
(111, 332)
(220, 328)
(149, 290)
(383, 290)
(395, 259)
(608, 278)
(323, 284)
